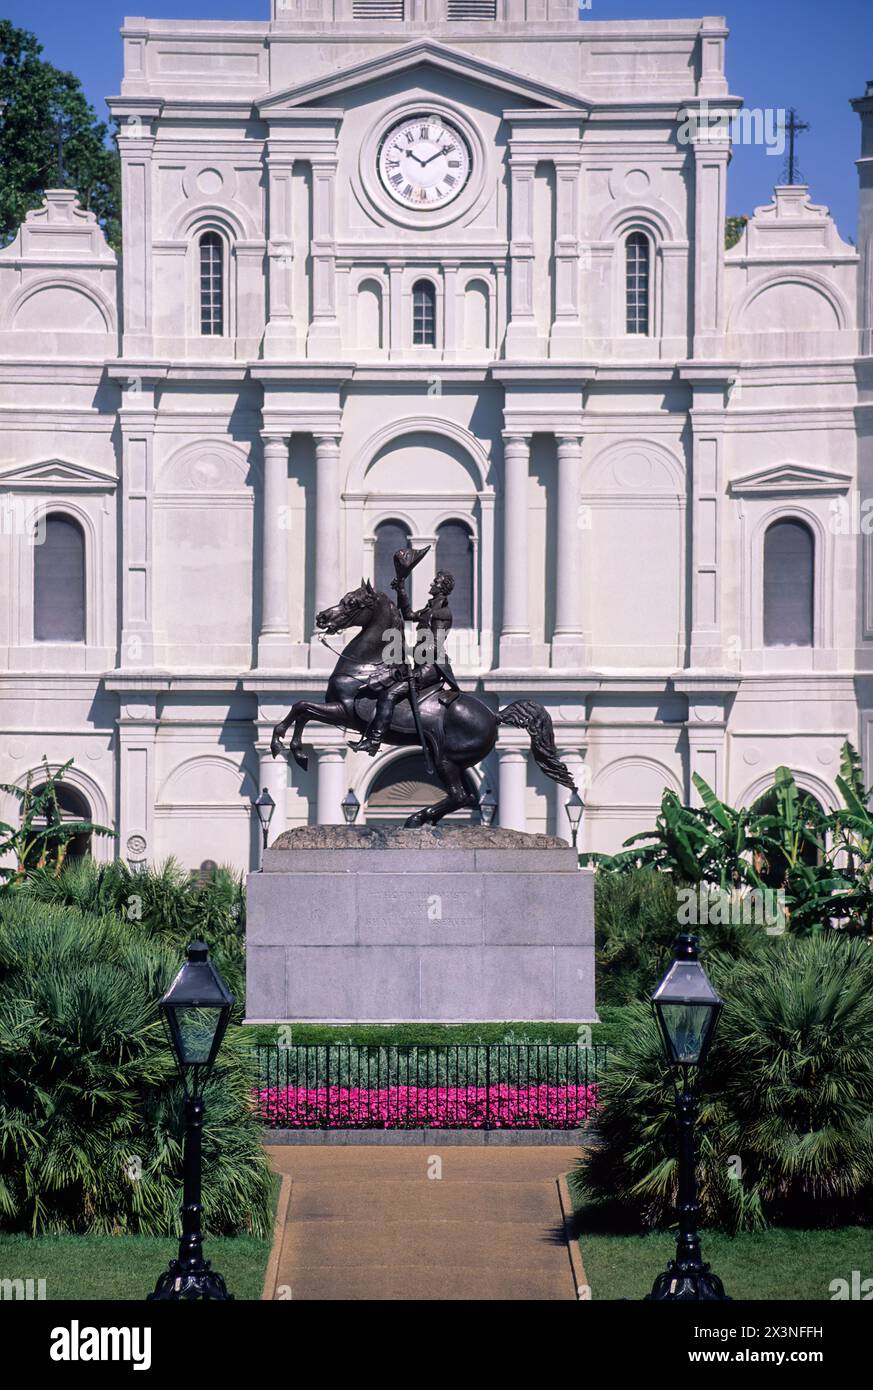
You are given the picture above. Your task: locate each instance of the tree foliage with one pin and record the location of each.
(821, 863)
(785, 1130)
(91, 1110)
(45, 111)
(41, 838)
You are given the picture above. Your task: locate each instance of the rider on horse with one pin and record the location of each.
(431, 667)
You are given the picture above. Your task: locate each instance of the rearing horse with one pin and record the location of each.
(460, 732)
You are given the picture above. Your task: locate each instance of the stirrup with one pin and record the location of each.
(370, 742)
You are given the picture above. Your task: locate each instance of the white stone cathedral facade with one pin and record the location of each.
(451, 271)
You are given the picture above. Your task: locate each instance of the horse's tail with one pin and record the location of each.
(524, 714)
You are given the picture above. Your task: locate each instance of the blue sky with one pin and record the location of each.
(781, 53)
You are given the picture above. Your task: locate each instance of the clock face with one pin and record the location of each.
(424, 162)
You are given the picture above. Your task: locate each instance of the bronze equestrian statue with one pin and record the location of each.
(391, 700)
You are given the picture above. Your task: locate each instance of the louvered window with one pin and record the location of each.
(390, 537)
(789, 565)
(460, 10)
(59, 582)
(454, 553)
(377, 9)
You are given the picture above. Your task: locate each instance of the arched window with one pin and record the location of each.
(211, 285)
(789, 562)
(390, 536)
(423, 314)
(454, 552)
(637, 278)
(72, 806)
(59, 582)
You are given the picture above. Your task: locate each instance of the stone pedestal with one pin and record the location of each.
(462, 924)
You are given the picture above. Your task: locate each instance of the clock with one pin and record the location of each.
(424, 162)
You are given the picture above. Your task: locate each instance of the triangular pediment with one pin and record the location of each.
(430, 53)
(790, 479)
(58, 474)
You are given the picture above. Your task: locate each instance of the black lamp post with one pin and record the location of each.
(264, 805)
(350, 807)
(574, 808)
(195, 1009)
(487, 806)
(687, 1009)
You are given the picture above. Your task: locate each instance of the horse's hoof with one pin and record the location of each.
(301, 760)
(414, 821)
(275, 746)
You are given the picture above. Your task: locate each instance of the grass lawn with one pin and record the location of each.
(777, 1265)
(127, 1267)
(436, 1034)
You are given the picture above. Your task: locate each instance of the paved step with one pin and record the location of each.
(373, 1223)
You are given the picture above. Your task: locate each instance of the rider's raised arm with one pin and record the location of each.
(404, 602)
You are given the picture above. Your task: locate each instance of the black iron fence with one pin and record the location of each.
(458, 1086)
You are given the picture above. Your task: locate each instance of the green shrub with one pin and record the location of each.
(160, 903)
(90, 1105)
(636, 918)
(786, 1118)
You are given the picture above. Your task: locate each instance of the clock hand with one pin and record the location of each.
(445, 149)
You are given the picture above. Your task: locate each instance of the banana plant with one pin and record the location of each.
(852, 846)
(41, 836)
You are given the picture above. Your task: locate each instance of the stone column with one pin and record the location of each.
(324, 339)
(396, 335)
(281, 338)
(711, 157)
(708, 645)
(137, 733)
(515, 641)
(566, 336)
(568, 642)
(521, 333)
(272, 777)
(706, 745)
(274, 641)
(574, 758)
(512, 790)
(136, 143)
(331, 784)
(137, 421)
(450, 337)
(327, 521)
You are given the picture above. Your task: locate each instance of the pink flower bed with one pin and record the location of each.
(437, 1107)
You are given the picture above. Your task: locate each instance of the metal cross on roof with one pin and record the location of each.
(794, 127)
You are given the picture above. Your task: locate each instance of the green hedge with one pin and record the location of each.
(91, 1112)
(786, 1122)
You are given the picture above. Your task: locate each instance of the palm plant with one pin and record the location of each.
(786, 1120)
(90, 1106)
(162, 903)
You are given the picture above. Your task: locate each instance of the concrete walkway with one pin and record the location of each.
(370, 1222)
